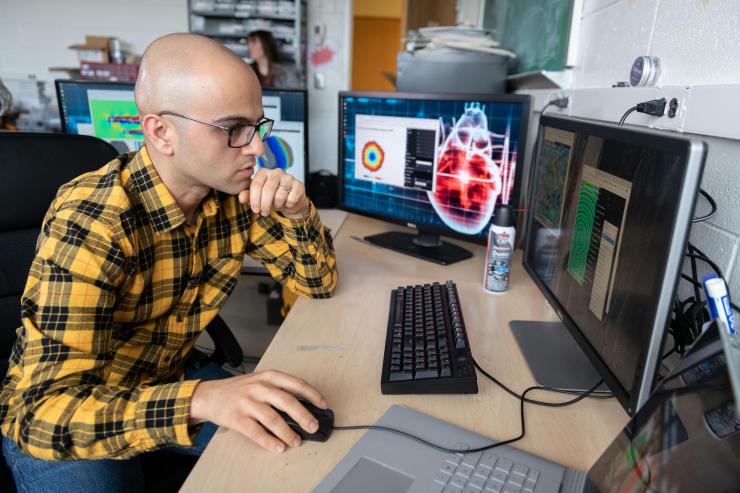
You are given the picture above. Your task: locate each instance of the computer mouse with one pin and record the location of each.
(325, 417)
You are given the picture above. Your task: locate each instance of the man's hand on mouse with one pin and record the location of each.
(245, 404)
(275, 190)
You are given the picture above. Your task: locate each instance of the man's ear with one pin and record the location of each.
(159, 133)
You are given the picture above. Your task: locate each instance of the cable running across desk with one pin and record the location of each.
(522, 399)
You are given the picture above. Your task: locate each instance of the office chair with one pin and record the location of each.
(32, 168)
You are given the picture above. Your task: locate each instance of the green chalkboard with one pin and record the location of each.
(536, 30)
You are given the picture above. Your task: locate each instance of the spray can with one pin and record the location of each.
(500, 250)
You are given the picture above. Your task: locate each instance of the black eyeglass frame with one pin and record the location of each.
(254, 128)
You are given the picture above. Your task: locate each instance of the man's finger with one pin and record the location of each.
(267, 198)
(288, 403)
(295, 197)
(255, 432)
(275, 424)
(255, 189)
(294, 385)
(283, 191)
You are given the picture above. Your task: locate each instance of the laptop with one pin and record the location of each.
(685, 438)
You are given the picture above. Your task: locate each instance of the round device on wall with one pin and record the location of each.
(645, 71)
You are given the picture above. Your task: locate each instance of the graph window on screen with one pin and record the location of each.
(103, 110)
(439, 163)
(286, 148)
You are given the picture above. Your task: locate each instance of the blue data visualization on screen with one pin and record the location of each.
(104, 110)
(286, 148)
(441, 164)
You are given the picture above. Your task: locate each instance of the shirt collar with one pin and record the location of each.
(159, 203)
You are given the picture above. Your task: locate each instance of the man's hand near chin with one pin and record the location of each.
(273, 190)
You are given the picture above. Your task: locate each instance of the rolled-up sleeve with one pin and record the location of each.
(298, 253)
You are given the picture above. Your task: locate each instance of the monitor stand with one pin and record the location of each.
(553, 356)
(426, 246)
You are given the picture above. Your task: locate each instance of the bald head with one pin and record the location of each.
(186, 73)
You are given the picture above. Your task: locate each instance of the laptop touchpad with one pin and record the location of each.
(368, 476)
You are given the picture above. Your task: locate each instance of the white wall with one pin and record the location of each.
(697, 42)
(323, 104)
(35, 34)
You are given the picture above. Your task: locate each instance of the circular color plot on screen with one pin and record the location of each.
(372, 156)
(278, 154)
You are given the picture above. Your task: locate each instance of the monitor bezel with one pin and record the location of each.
(693, 152)
(526, 102)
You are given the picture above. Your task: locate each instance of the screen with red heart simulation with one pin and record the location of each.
(437, 163)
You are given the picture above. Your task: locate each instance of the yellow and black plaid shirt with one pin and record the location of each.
(120, 289)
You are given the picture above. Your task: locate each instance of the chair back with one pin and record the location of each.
(32, 168)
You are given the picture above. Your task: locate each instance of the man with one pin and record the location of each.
(133, 262)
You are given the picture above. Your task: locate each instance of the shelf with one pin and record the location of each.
(286, 37)
(241, 15)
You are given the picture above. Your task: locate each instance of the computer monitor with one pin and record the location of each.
(438, 163)
(609, 215)
(102, 109)
(687, 435)
(107, 110)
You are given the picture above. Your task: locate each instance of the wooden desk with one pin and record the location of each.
(337, 345)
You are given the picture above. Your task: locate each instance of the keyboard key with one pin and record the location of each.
(449, 468)
(482, 471)
(458, 480)
(469, 488)
(509, 488)
(451, 488)
(504, 465)
(477, 482)
(471, 459)
(499, 476)
(516, 479)
(464, 471)
(442, 478)
(520, 470)
(493, 486)
(529, 486)
(454, 458)
(427, 373)
(404, 374)
(488, 460)
(534, 475)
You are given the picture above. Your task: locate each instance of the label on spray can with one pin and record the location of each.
(499, 252)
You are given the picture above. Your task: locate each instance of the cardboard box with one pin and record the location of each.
(94, 50)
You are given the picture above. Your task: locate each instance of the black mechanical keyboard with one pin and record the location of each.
(426, 348)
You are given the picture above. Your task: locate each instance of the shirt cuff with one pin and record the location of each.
(301, 230)
(164, 411)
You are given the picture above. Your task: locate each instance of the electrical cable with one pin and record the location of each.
(522, 399)
(626, 114)
(445, 449)
(654, 107)
(712, 204)
(561, 102)
(581, 395)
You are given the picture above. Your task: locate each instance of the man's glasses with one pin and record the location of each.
(240, 135)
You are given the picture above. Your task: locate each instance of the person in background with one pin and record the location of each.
(263, 51)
